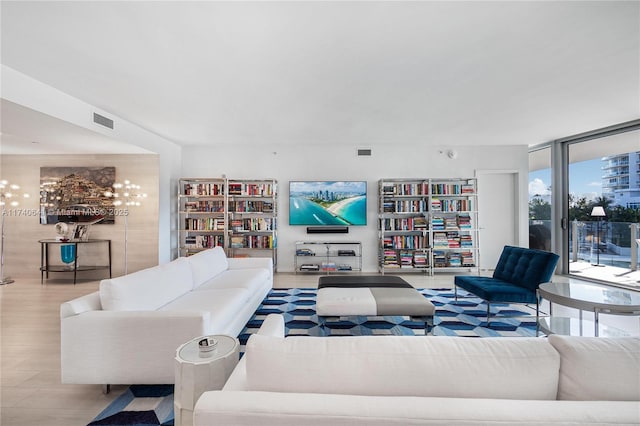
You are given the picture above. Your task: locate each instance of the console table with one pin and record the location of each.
(46, 266)
(586, 297)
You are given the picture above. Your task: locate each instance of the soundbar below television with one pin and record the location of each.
(328, 203)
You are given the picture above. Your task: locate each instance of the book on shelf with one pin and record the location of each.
(440, 240)
(328, 266)
(439, 259)
(204, 224)
(420, 223)
(203, 189)
(454, 260)
(464, 221)
(203, 241)
(467, 189)
(251, 189)
(467, 258)
(420, 259)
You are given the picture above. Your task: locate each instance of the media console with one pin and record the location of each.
(328, 256)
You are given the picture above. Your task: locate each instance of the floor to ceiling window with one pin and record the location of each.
(540, 199)
(601, 212)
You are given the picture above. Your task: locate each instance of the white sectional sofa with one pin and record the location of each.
(128, 331)
(389, 380)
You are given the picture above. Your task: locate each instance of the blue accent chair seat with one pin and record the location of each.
(516, 278)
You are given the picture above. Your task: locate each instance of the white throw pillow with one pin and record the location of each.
(147, 290)
(207, 264)
(510, 368)
(597, 368)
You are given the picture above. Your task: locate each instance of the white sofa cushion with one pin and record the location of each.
(148, 289)
(207, 264)
(596, 368)
(510, 368)
(222, 304)
(251, 279)
(295, 409)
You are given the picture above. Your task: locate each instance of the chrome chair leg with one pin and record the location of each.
(488, 313)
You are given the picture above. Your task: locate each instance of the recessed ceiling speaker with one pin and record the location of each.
(102, 120)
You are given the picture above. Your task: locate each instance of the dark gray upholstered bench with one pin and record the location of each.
(375, 295)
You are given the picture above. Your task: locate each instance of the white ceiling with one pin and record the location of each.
(360, 73)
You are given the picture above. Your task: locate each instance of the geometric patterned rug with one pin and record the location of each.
(139, 405)
(145, 405)
(466, 317)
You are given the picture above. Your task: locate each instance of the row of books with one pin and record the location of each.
(452, 240)
(460, 221)
(247, 206)
(416, 188)
(253, 241)
(404, 242)
(404, 206)
(463, 205)
(203, 241)
(203, 189)
(452, 189)
(442, 259)
(404, 224)
(251, 189)
(204, 224)
(405, 259)
(253, 224)
(206, 206)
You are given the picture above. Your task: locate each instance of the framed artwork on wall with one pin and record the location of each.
(76, 195)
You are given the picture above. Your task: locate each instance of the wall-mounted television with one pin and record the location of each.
(328, 203)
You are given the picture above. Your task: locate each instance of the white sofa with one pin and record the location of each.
(389, 380)
(129, 330)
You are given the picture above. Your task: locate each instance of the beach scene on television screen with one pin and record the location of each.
(328, 203)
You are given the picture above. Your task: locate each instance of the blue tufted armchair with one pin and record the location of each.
(516, 278)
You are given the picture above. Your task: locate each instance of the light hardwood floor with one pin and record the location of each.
(30, 390)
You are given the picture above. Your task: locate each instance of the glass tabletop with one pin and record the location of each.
(191, 353)
(592, 296)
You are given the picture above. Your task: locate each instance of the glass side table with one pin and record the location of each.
(196, 374)
(586, 297)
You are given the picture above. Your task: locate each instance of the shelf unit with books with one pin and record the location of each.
(403, 225)
(427, 225)
(328, 257)
(202, 214)
(252, 218)
(454, 224)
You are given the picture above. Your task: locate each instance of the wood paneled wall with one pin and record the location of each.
(23, 229)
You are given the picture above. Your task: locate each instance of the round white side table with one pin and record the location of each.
(195, 374)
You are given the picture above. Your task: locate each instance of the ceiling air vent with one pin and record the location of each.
(102, 120)
(364, 152)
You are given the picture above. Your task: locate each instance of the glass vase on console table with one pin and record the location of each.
(68, 254)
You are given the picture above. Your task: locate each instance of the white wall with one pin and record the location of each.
(341, 162)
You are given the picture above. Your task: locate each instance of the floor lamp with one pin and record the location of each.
(598, 212)
(7, 195)
(129, 195)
